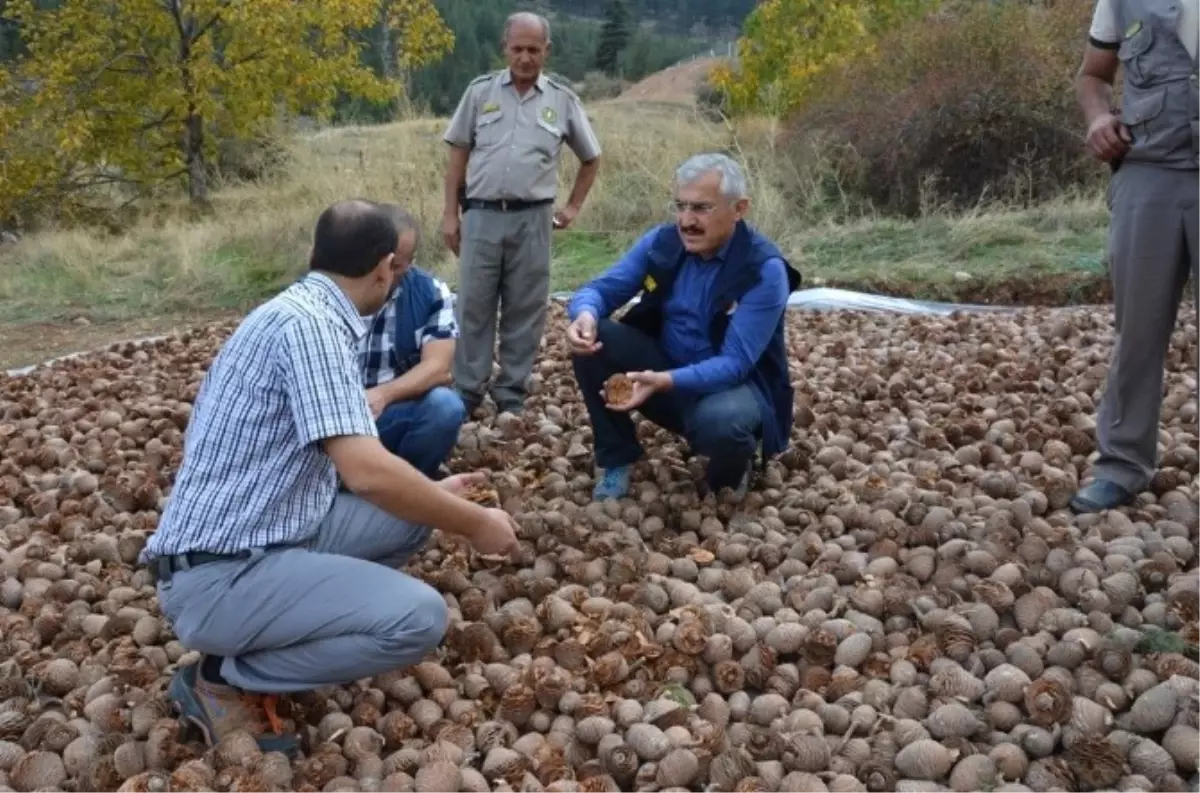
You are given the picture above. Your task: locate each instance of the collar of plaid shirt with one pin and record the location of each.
(378, 342)
(337, 300)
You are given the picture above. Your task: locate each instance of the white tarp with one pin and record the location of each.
(815, 299)
(827, 299)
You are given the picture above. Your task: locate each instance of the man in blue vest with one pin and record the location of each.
(704, 346)
(406, 358)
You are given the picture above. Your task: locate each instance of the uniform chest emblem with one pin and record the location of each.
(1133, 28)
(649, 283)
(491, 107)
(548, 115)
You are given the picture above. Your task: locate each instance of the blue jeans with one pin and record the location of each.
(423, 430)
(725, 427)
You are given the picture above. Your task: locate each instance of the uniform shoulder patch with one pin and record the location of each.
(561, 84)
(483, 77)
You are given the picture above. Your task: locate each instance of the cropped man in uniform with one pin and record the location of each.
(505, 138)
(1151, 145)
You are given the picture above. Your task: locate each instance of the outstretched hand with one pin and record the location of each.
(581, 335)
(459, 484)
(497, 534)
(645, 385)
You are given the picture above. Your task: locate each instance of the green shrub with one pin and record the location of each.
(973, 104)
(250, 160)
(598, 85)
(711, 102)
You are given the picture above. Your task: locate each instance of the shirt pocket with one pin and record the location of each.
(488, 130)
(1137, 54)
(548, 136)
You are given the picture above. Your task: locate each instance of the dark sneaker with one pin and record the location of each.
(614, 483)
(217, 710)
(513, 406)
(1099, 496)
(733, 495)
(471, 405)
(739, 493)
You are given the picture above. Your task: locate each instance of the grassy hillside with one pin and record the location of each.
(258, 237)
(877, 186)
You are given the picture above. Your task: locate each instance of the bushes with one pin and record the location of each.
(969, 105)
(710, 101)
(598, 85)
(788, 46)
(250, 159)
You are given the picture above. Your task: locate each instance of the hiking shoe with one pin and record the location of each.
(1099, 496)
(217, 710)
(729, 495)
(471, 405)
(739, 492)
(510, 405)
(614, 483)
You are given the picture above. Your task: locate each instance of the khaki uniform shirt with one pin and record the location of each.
(515, 140)
(1106, 30)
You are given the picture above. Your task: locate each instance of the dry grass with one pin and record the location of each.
(257, 239)
(258, 234)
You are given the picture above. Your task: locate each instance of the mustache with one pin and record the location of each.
(691, 229)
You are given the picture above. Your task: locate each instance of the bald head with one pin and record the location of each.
(352, 238)
(527, 23)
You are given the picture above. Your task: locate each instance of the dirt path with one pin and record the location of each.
(31, 343)
(676, 84)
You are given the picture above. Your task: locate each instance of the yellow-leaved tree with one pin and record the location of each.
(139, 92)
(786, 45)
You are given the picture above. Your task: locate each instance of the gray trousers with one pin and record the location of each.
(504, 260)
(329, 612)
(1153, 247)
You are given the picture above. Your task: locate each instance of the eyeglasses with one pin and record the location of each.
(694, 207)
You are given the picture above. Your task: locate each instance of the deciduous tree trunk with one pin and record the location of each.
(197, 170)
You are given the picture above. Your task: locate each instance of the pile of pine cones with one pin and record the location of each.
(903, 601)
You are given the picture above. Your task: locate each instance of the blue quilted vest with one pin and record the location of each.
(416, 295)
(742, 269)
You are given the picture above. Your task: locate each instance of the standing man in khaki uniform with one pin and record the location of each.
(505, 138)
(1151, 143)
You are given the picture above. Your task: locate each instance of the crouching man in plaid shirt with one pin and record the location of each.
(406, 357)
(282, 582)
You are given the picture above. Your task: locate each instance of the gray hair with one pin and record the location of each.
(733, 178)
(526, 16)
(404, 221)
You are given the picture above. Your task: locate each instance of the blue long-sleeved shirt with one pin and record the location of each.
(699, 369)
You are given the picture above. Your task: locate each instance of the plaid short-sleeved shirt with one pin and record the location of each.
(376, 350)
(253, 472)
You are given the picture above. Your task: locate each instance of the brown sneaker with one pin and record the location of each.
(218, 710)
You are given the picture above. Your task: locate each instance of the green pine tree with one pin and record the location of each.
(614, 35)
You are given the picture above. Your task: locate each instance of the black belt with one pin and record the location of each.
(504, 204)
(166, 566)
